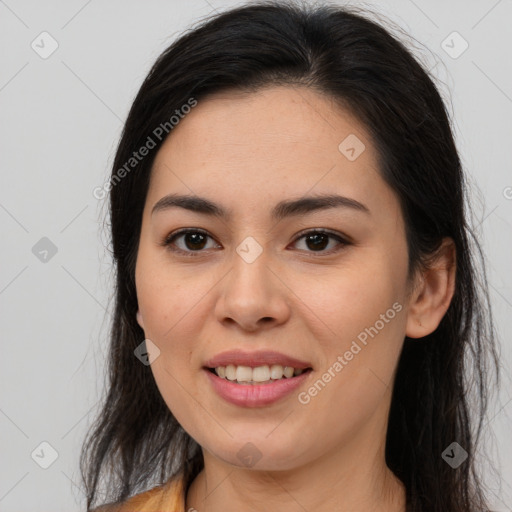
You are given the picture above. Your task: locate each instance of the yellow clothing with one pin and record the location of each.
(169, 497)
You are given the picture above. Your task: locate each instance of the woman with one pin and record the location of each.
(296, 289)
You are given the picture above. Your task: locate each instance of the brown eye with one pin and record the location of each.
(194, 241)
(191, 240)
(318, 240)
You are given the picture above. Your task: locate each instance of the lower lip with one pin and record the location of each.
(255, 395)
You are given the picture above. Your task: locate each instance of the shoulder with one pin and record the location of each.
(170, 495)
(131, 505)
(106, 508)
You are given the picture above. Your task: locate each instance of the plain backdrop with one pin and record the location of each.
(62, 115)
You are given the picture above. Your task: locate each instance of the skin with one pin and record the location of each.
(246, 152)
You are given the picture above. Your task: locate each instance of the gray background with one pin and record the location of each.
(61, 119)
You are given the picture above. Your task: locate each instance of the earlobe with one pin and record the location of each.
(139, 319)
(432, 299)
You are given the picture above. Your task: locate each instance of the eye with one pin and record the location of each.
(193, 241)
(318, 239)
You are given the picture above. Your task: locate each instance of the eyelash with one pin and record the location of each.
(168, 240)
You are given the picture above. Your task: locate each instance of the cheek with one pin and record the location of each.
(171, 307)
(183, 398)
(340, 304)
(166, 297)
(360, 317)
(170, 321)
(355, 383)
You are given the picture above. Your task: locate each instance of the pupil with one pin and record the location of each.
(316, 242)
(191, 239)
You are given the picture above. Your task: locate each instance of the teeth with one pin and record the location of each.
(243, 374)
(276, 371)
(260, 374)
(248, 375)
(288, 372)
(230, 372)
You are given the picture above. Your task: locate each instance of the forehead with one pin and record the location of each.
(278, 141)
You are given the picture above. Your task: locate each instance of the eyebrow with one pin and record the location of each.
(282, 209)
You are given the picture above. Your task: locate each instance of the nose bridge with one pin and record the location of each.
(251, 292)
(250, 277)
(250, 250)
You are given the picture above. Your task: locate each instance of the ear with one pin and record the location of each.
(432, 296)
(139, 319)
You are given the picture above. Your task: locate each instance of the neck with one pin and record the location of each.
(348, 479)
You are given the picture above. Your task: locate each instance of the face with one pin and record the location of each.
(257, 280)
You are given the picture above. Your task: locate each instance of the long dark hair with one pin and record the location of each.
(136, 442)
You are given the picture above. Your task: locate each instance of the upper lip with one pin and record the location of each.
(254, 359)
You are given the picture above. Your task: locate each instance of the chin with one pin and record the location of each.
(259, 453)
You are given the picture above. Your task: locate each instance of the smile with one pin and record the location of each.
(251, 393)
(265, 374)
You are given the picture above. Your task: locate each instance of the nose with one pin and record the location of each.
(253, 296)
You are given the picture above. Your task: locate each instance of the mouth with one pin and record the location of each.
(251, 392)
(255, 379)
(259, 375)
